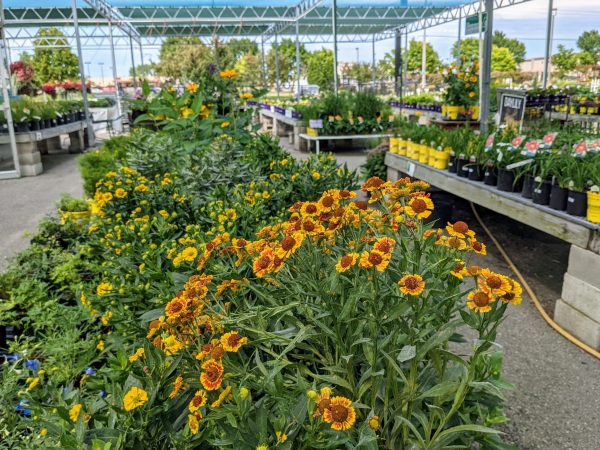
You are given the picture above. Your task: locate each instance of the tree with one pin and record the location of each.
(185, 59)
(589, 42)
(287, 61)
(386, 66)
(361, 72)
(249, 68)
(415, 55)
(564, 59)
(516, 47)
(319, 68)
(53, 64)
(503, 59)
(148, 70)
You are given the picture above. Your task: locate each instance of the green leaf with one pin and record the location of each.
(441, 389)
(407, 353)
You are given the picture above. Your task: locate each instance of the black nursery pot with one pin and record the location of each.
(490, 176)
(22, 127)
(541, 193)
(476, 172)
(528, 186)
(34, 125)
(558, 198)
(461, 170)
(48, 123)
(577, 203)
(506, 181)
(452, 164)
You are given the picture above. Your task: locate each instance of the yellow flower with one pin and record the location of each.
(75, 412)
(228, 73)
(246, 96)
(164, 214)
(106, 318)
(33, 383)
(232, 341)
(244, 392)
(137, 355)
(374, 423)
(186, 112)
(225, 124)
(346, 262)
(471, 94)
(222, 396)
(43, 432)
(100, 345)
(479, 301)
(262, 447)
(104, 288)
(141, 188)
(198, 401)
(316, 176)
(340, 414)
(412, 284)
(192, 88)
(120, 193)
(176, 387)
(171, 345)
(134, 398)
(266, 195)
(193, 422)
(281, 437)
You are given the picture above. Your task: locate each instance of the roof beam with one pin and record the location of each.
(114, 16)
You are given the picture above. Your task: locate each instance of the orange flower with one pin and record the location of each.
(412, 284)
(193, 422)
(310, 209)
(289, 244)
(228, 73)
(322, 402)
(478, 247)
(420, 206)
(346, 262)
(459, 229)
(232, 341)
(176, 387)
(456, 243)
(384, 245)
(515, 295)
(211, 378)
(493, 283)
(479, 301)
(459, 270)
(376, 259)
(340, 414)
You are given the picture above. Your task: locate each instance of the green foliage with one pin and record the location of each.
(375, 164)
(589, 41)
(503, 60)
(415, 57)
(516, 47)
(361, 72)
(95, 164)
(250, 70)
(53, 64)
(320, 69)
(287, 61)
(184, 58)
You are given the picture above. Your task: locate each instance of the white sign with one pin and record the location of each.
(315, 123)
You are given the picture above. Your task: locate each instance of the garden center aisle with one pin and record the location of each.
(25, 201)
(556, 399)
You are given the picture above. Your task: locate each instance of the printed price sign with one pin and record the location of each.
(315, 123)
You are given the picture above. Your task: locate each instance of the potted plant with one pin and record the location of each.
(578, 176)
(508, 162)
(20, 115)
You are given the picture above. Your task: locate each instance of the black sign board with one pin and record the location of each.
(512, 109)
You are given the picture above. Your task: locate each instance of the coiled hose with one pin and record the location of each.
(536, 302)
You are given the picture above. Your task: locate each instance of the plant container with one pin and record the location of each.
(476, 172)
(490, 176)
(577, 203)
(461, 170)
(593, 206)
(506, 181)
(22, 126)
(528, 186)
(34, 125)
(452, 163)
(48, 123)
(558, 198)
(541, 192)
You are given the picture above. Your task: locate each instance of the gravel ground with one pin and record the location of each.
(25, 201)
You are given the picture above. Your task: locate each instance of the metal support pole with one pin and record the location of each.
(114, 69)
(424, 60)
(487, 66)
(297, 54)
(335, 49)
(373, 62)
(398, 63)
(132, 62)
(142, 68)
(405, 62)
(264, 63)
(4, 74)
(277, 80)
(549, 27)
(88, 117)
(459, 36)
(480, 18)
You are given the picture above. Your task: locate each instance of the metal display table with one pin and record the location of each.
(32, 144)
(351, 137)
(280, 122)
(578, 309)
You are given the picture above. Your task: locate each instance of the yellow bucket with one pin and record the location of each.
(402, 147)
(423, 153)
(593, 207)
(432, 155)
(394, 144)
(452, 112)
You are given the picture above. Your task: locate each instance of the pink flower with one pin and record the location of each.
(549, 138)
(532, 146)
(516, 142)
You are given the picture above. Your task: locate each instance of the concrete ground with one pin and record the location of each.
(25, 201)
(556, 401)
(555, 404)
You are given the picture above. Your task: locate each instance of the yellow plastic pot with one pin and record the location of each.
(394, 145)
(593, 207)
(432, 156)
(474, 112)
(411, 148)
(423, 153)
(452, 112)
(444, 110)
(402, 143)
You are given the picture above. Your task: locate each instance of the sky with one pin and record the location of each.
(526, 22)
